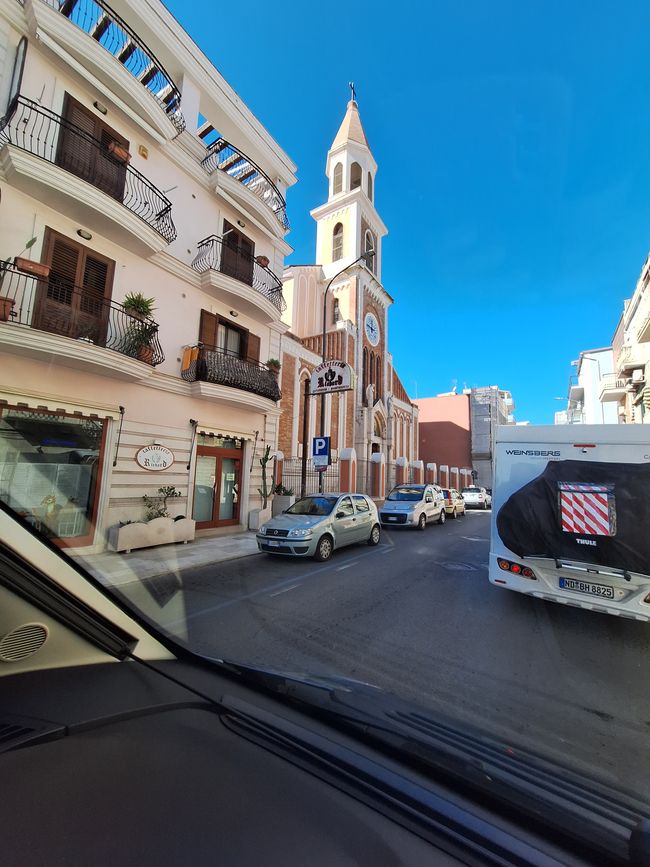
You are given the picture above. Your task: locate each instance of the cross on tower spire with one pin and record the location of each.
(353, 91)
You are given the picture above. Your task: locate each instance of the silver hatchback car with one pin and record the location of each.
(413, 505)
(315, 525)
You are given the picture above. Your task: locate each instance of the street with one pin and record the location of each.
(418, 617)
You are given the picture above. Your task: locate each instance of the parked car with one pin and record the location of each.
(454, 502)
(318, 524)
(413, 506)
(476, 498)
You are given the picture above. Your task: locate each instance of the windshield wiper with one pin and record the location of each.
(581, 809)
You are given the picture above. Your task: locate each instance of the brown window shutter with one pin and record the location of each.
(253, 349)
(63, 259)
(208, 329)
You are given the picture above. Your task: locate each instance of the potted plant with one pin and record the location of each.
(283, 498)
(263, 261)
(274, 366)
(118, 151)
(136, 305)
(38, 269)
(137, 341)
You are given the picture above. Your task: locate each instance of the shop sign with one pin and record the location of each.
(332, 376)
(154, 458)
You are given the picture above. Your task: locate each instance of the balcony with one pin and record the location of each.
(40, 152)
(612, 388)
(204, 364)
(75, 325)
(126, 66)
(244, 173)
(239, 279)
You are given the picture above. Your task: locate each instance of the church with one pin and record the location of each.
(376, 416)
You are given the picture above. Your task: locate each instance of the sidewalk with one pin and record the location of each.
(116, 569)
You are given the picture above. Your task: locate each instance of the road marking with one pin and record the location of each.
(347, 566)
(286, 590)
(473, 539)
(262, 591)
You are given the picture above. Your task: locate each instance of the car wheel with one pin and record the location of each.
(443, 517)
(422, 521)
(324, 549)
(375, 535)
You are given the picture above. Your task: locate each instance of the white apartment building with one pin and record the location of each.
(137, 169)
(584, 404)
(625, 388)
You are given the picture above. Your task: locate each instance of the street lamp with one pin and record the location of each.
(367, 258)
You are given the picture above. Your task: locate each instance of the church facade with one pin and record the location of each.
(377, 415)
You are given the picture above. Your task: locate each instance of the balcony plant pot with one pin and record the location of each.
(274, 366)
(145, 353)
(263, 261)
(281, 503)
(257, 517)
(119, 152)
(37, 269)
(6, 306)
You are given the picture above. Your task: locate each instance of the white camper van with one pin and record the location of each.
(571, 515)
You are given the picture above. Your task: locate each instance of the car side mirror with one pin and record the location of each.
(340, 514)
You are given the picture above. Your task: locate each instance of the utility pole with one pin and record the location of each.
(305, 446)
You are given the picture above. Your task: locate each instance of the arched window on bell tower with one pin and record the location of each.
(337, 242)
(368, 245)
(370, 186)
(355, 176)
(337, 182)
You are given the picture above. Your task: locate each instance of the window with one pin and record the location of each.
(237, 254)
(370, 186)
(84, 145)
(220, 335)
(361, 503)
(50, 469)
(337, 242)
(355, 176)
(337, 181)
(345, 506)
(73, 303)
(369, 244)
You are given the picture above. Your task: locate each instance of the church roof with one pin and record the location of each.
(350, 129)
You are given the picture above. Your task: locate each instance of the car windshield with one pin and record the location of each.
(313, 506)
(215, 401)
(408, 495)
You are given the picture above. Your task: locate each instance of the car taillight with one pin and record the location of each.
(518, 569)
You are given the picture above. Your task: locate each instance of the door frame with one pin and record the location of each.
(217, 453)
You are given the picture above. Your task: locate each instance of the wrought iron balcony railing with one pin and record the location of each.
(230, 259)
(51, 137)
(225, 157)
(104, 25)
(56, 305)
(209, 364)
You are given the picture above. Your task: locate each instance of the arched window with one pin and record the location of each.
(369, 244)
(337, 242)
(365, 372)
(370, 186)
(378, 375)
(355, 176)
(337, 183)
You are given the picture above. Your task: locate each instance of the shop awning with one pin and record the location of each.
(209, 430)
(55, 403)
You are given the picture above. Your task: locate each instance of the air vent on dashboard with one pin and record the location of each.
(22, 642)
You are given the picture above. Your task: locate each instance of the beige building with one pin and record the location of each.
(377, 416)
(137, 169)
(626, 388)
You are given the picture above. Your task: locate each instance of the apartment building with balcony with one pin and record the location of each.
(585, 404)
(137, 170)
(625, 389)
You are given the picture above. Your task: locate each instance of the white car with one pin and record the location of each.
(476, 498)
(413, 506)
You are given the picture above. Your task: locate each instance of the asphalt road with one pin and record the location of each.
(417, 616)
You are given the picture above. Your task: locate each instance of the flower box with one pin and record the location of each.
(160, 531)
(6, 306)
(38, 269)
(119, 152)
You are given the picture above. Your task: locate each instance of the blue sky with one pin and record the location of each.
(513, 146)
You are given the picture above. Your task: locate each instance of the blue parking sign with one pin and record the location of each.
(320, 451)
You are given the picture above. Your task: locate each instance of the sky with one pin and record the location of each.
(512, 141)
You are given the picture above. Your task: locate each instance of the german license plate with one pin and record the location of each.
(273, 544)
(588, 587)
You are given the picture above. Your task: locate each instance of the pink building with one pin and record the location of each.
(445, 438)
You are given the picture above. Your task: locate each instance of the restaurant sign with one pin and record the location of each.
(332, 376)
(154, 458)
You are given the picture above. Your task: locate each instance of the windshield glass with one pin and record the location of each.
(313, 506)
(409, 495)
(205, 345)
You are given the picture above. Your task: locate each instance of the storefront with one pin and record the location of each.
(217, 480)
(50, 470)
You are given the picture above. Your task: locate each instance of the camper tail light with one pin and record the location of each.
(518, 569)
